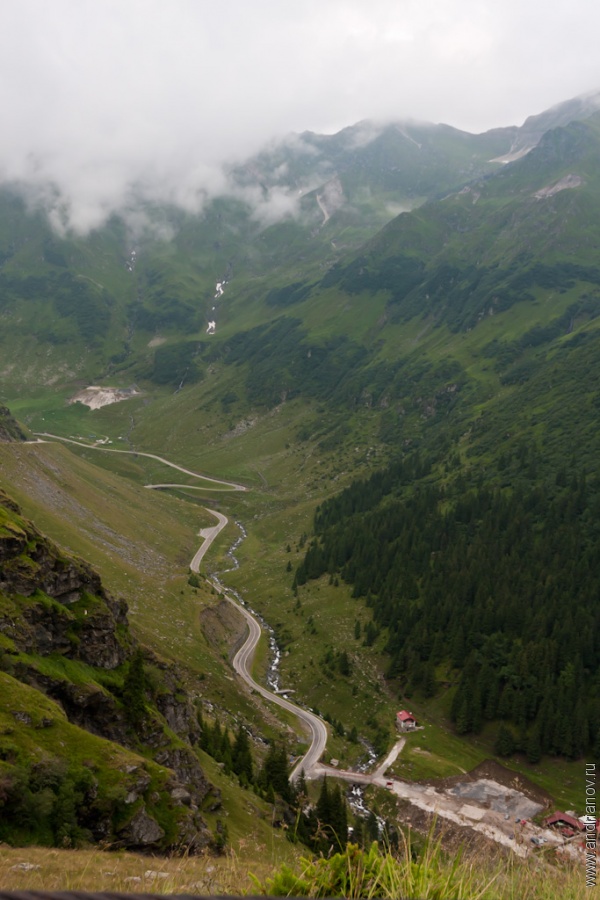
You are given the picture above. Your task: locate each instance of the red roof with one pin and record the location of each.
(404, 716)
(565, 819)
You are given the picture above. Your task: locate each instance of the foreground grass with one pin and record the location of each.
(35, 869)
(250, 867)
(428, 875)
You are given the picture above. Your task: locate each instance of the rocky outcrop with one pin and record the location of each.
(175, 705)
(52, 604)
(10, 430)
(89, 634)
(30, 563)
(142, 831)
(85, 621)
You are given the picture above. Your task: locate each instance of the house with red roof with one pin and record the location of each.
(405, 721)
(567, 824)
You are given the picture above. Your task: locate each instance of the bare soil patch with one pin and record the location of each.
(490, 770)
(222, 626)
(97, 397)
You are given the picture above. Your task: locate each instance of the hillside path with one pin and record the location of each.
(428, 798)
(242, 661)
(230, 485)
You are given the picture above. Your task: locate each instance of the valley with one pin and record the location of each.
(392, 418)
(435, 801)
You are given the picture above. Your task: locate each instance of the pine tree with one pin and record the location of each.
(323, 808)
(241, 757)
(301, 787)
(344, 664)
(428, 682)
(275, 772)
(533, 748)
(338, 821)
(505, 742)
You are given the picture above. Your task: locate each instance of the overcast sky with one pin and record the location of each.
(98, 94)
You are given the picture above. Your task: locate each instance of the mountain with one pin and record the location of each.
(10, 430)
(479, 250)
(533, 129)
(113, 303)
(402, 370)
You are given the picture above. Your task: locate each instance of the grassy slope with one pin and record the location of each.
(47, 732)
(288, 478)
(289, 475)
(140, 541)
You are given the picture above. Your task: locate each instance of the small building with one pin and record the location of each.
(567, 824)
(405, 721)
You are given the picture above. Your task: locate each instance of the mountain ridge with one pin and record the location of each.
(461, 335)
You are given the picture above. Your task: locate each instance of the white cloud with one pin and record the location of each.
(99, 97)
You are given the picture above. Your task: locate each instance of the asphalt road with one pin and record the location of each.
(242, 664)
(242, 661)
(209, 534)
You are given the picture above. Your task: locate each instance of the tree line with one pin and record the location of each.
(323, 825)
(497, 586)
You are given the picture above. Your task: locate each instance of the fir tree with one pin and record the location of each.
(241, 757)
(533, 748)
(344, 664)
(275, 772)
(505, 742)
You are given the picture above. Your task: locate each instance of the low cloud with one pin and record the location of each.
(110, 104)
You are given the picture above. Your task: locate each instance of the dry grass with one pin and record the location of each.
(36, 869)
(434, 876)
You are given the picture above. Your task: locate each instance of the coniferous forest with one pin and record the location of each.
(491, 589)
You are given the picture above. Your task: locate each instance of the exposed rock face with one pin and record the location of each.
(53, 604)
(32, 563)
(175, 706)
(29, 564)
(142, 830)
(86, 705)
(185, 765)
(10, 430)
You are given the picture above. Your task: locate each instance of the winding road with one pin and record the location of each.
(428, 798)
(229, 485)
(317, 729)
(242, 661)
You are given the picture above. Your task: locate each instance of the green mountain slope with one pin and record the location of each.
(131, 303)
(97, 733)
(462, 336)
(530, 227)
